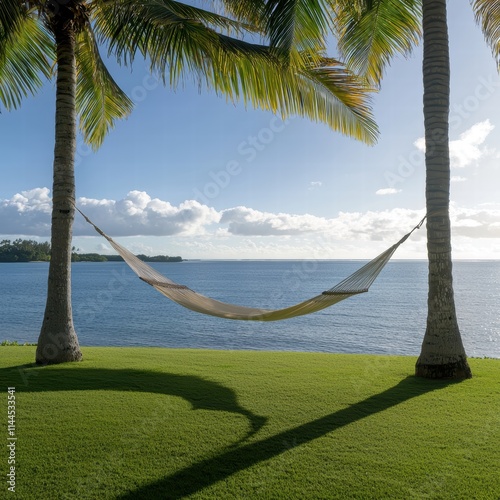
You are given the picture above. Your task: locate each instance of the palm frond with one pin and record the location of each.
(11, 16)
(179, 47)
(26, 56)
(128, 25)
(343, 98)
(173, 43)
(252, 11)
(371, 32)
(296, 23)
(487, 13)
(328, 93)
(99, 100)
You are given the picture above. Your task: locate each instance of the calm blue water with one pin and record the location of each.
(113, 307)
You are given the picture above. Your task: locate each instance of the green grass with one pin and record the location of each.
(158, 423)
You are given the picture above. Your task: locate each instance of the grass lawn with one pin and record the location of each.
(172, 423)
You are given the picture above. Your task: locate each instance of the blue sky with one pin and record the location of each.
(191, 174)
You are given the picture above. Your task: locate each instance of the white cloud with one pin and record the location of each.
(475, 233)
(386, 191)
(103, 248)
(387, 225)
(28, 213)
(315, 185)
(368, 226)
(475, 223)
(420, 144)
(139, 214)
(242, 232)
(468, 148)
(458, 178)
(246, 221)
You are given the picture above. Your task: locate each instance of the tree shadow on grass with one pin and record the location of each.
(201, 393)
(207, 472)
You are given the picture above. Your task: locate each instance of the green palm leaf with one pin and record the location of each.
(99, 100)
(26, 52)
(130, 26)
(180, 46)
(11, 16)
(372, 32)
(252, 11)
(328, 93)
(344, 99)
(296, 23)
(487, 14)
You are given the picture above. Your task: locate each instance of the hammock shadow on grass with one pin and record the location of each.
(201, 393)
(205, 473)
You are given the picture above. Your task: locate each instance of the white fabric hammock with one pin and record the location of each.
(358, 282)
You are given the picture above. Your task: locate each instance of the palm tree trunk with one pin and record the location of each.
(443, 354)
(58, 342)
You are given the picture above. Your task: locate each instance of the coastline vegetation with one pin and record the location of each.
(33, 251)
(11, 343)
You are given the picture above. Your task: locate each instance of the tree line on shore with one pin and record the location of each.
(29, 251)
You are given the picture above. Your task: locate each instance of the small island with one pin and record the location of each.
(33, 251)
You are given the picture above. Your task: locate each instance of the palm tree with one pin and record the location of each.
(370, 33)
(178, 39)
(442, 354)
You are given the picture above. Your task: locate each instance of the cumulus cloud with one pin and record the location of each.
(468, 148)
(315, 185)
(387, 225)
(137, 214)
(243, 221)
(246, 221)
(28, 213)
(386, 191)
(475, 223)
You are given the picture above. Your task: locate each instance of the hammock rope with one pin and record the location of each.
(358, 282)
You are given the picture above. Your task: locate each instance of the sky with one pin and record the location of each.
(191, 174)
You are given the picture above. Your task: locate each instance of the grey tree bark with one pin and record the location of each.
(443, 354)
(58, 342)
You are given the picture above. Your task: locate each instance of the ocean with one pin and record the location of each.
(112, 307)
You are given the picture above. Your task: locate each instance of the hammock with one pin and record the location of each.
(359, 282)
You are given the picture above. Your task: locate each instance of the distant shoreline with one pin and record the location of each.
(96, 258)
(33, 251)
(117, 258)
